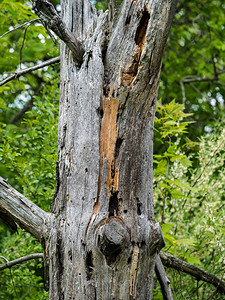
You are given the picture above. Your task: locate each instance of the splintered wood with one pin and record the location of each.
(109, 133)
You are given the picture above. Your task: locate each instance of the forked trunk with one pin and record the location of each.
(103, 240)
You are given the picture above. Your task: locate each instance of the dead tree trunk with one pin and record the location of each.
(101, 239)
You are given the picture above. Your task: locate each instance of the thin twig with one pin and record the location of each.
(190, 79)
(21, 49)
(31, 69)
(212, 56)
(53, 38)
(26, 23)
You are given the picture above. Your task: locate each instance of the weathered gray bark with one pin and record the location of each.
(104, 239)
(163, 280)
(101, 239)
(23, 211)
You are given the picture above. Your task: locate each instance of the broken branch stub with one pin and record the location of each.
(156, 238)
(112, 236)
(51, 19)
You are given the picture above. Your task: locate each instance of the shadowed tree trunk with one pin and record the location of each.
(101, 240)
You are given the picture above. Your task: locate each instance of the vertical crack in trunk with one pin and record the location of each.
(89, 264)
(128, 75)
(59, 261)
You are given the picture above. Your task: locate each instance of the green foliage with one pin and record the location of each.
(190, 196)
(29, 151)
(28, 147)
(28, 154)
(20, 49)
(195, 50)
(23, 281)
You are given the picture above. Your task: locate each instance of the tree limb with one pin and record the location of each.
(31, 69)
(17, 261)
(172, 262)
(23, 211)
(163, 280)
(51, 19)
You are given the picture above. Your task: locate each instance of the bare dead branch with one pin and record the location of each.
(189, 79)
(163, 280)
(51, 19)
(24, 38)
(31, 69)
(170, 261)
(23, 211)
(26, 23)
(29, 23)
(17, 261)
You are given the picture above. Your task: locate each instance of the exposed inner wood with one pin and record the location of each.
(134, 269)
(129, 74)
(108, 138)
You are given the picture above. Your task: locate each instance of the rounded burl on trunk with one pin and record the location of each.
(112, 237)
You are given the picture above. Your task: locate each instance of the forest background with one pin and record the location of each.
(189, 161)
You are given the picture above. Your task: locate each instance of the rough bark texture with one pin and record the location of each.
(24, 212)
(103, 240)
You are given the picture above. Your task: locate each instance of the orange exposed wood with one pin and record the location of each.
(109, 128)
(108, 138)
(109, 132)
(116, 180)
